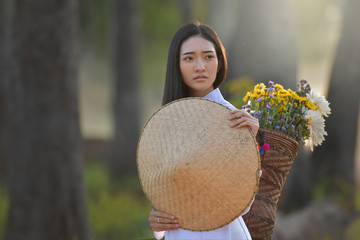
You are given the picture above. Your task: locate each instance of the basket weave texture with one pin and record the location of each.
(192, 165)
(276, 164)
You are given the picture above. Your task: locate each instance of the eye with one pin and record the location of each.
(210, 56)
(188, 58)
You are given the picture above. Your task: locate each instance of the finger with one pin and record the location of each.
(166, 220)
(254, 128)
(164, 227)
(236, 114)
(240, 114)
(161, 214)
(162, 220)
(243, 120)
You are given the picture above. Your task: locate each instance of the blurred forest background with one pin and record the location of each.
(78, 80)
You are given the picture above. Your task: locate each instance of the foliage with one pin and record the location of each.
(237, 88)
(4, 207)
(117, 210)
(353, 230)
(94, 24)
(298, 114)
(159, 20)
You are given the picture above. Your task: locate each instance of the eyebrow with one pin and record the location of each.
(207, 51)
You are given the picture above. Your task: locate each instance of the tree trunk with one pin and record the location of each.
(3, 84)
(126, 100)
(336, 156)
(186, 10)
(47, 195)
(261, 42)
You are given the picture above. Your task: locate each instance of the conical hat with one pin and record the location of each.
(192, 165)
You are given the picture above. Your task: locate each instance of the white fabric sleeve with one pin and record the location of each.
(159, 235)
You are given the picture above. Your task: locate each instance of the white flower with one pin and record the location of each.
(320, 102)
(316, 125)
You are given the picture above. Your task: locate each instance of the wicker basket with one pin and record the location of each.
(276, 164)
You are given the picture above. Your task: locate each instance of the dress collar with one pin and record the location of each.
(216, 96)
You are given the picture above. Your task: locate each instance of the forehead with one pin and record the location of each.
(196, 43)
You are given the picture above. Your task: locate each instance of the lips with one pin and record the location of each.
(200, 78)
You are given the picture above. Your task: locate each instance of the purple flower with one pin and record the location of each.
(303, 81)
(248, 110)
(277, 127)
(259, 100)
(293, 128)
(271, 89)
(257, 114)
(270, 122)
(283, 128)
(268, 106)
(271, 82)
(246, 106)
(271, 95)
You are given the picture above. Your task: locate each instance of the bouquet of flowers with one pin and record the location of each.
(298, 114)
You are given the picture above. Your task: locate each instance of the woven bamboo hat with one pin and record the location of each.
(192, 165)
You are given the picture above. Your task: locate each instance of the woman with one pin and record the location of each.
(196, 67)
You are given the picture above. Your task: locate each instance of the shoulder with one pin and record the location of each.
(229, 105)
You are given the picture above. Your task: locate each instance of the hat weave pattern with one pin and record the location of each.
(192, 165)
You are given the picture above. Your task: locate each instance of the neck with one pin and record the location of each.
(195, 93)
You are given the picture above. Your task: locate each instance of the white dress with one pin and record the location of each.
(235, 230)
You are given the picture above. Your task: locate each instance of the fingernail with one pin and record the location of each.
(172, 217)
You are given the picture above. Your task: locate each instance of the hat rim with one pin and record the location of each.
(256, 187)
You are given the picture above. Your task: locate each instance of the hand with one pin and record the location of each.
(240, 118)
(162, 221)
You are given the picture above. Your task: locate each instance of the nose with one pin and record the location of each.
(199, 65)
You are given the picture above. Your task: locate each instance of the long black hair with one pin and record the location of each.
(174, 85)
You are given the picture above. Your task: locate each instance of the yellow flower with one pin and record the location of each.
(279, 87)
(258, 91)
(302, 99)
(246, 98)
(283, 93)
(259, 87)
(310, 105)
(254, 95)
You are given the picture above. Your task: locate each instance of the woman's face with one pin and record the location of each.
(198, 65)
